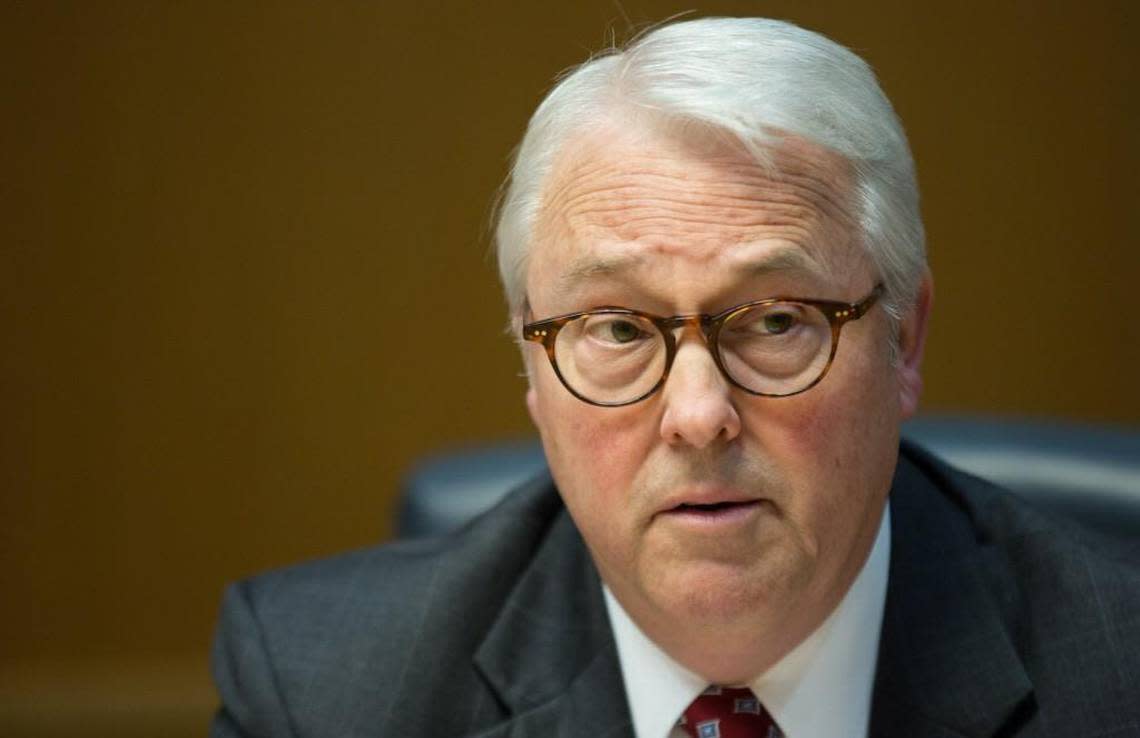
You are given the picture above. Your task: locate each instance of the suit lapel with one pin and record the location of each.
(947, 666)
(550, 655)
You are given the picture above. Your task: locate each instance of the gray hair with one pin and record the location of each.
(753, 79)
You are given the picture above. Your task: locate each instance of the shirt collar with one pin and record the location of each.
(821, 688)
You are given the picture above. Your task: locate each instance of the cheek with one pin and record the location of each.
(595, 455)
(594, 452)
(832, 444)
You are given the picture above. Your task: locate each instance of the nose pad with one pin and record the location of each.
(698, 398)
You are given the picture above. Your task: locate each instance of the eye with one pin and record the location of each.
(777, 323)
(623, 331)
(615, 329)
(782, 319)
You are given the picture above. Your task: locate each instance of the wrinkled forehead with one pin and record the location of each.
(648, 203)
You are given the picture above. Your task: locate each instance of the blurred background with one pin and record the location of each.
(245, 280)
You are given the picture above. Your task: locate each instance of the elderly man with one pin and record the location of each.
(713, 255)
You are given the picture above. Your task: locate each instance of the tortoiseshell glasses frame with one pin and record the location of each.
(837, 314)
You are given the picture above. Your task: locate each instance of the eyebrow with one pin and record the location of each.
(590, 268)
(782, 261)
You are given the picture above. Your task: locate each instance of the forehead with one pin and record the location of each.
(650, 209)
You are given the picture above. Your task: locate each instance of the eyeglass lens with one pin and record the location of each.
(775, 348)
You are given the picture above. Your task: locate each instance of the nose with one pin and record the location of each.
(698, 399)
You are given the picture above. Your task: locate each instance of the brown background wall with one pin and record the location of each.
(237, 237)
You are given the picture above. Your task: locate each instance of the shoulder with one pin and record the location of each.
(1070, 590)
(1062, 602)
(1027, 536)
(473, 560)
(325, 630)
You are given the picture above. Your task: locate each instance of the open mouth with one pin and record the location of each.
(713, 507)
(713, 511)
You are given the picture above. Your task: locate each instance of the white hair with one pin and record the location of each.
(752, 78)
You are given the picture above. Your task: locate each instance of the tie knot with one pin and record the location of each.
(728, 712)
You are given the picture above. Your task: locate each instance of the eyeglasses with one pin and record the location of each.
(613, 356)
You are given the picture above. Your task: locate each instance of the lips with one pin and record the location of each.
(706, 498)
(712, 507)
(712, 517)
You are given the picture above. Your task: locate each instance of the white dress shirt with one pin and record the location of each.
(820, 689)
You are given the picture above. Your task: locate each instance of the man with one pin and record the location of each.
(713, 255)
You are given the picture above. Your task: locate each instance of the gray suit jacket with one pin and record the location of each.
(998, 623)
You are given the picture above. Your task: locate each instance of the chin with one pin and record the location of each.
(717, 593)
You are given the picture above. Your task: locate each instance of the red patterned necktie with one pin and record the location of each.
(724, 712)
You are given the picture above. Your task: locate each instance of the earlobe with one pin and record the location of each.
(532, 407)
(912, 342)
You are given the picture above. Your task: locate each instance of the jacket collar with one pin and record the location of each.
(946, 664)
(550, 655)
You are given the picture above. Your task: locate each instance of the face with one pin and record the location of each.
(706, 509)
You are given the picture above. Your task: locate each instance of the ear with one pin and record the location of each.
(912, 341)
